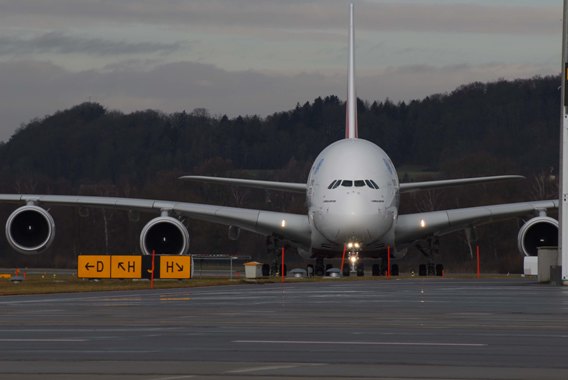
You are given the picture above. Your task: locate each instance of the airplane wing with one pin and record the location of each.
(416, 186)
(301, 187)
(412, 227)
(269, 185)
(293, 227)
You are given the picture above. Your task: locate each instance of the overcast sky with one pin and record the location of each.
(239, 57)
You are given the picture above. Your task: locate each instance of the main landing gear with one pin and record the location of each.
(381, 269)
(429, 251)
(319, 268)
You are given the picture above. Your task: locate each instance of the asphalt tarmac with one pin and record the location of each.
(397, 329)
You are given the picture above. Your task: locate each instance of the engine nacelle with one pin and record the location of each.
(164, 235)
(537, 232)
(399, 253)
(30, 229)
(234, 233)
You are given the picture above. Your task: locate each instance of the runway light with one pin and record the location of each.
(283, 223)
(422, 223)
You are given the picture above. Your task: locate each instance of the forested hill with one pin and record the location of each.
(505, 126)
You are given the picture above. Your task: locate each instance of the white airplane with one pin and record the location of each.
(352, 195)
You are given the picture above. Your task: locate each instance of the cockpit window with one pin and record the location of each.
(350, 183)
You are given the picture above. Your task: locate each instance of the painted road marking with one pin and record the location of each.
(42, 340)
(363, 343)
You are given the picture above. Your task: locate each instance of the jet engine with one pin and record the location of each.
(30, 229)
(164, 235)
(537, 232)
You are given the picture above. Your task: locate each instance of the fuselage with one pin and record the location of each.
(352, 197)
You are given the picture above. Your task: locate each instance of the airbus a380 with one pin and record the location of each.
(352, 195)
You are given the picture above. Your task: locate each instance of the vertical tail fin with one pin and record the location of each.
(351, 112)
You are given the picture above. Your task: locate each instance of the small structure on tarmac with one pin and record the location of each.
(253, 269)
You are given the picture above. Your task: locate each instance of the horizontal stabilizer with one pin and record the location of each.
(416, 186)
(268, 185)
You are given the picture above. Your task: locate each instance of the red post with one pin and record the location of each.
(152, 274)
(343, 258)
(388, 262)
(478, 263)
(282, 267)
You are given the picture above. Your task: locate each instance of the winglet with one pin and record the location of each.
(351, 112)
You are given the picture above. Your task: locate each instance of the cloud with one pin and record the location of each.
(458, 17)
(61, 43)
(254, 15)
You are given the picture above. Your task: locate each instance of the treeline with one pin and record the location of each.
(478, 129)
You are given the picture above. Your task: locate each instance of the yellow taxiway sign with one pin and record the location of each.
(93, 266)
(175, 267)
(126, 266)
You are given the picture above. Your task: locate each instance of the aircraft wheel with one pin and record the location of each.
(394, 270)
(310, 270)
(422, 270)
(439, 270)
(376, 270)
(360, 270)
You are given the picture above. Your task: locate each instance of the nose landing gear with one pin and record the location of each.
(353, 258)
(355, 265)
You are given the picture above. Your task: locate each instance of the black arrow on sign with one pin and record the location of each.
(179, 267)
(121, 266)
(89, 266)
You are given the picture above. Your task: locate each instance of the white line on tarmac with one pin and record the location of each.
(362, 343)
(43, 340)
(265, 368)
(82, 352)
(174, 377)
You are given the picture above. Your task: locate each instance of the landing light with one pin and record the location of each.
(283, 223)
(422, 223)
(353, 245)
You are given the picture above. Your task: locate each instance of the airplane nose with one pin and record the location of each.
(365, 226)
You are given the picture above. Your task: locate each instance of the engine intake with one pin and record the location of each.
(164, 235)
(537, 232)
(30, 229)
